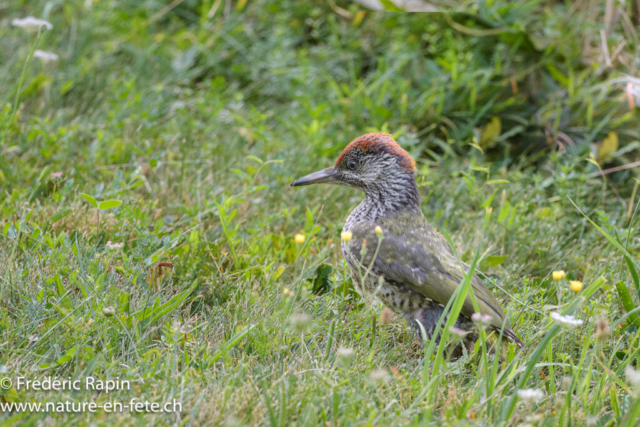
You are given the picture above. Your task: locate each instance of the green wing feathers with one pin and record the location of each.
(417, 255)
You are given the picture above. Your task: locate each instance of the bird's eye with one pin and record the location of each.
(352, 165)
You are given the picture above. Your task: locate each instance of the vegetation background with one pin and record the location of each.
(147, 231)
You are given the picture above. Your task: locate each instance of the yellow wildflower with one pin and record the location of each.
(558, 275)
(575, 286)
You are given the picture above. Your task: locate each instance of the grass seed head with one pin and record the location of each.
(386, 316)
(602, 330)
(633, 377)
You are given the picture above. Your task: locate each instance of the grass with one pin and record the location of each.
(165, 252)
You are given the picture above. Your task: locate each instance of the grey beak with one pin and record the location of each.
(325, 175)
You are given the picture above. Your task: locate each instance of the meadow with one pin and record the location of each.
(148, 233)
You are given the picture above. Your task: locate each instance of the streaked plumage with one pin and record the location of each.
(418, 268)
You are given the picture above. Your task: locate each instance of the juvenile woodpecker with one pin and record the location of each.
(406, 263)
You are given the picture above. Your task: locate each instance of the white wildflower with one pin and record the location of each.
(114, 246)
(30, 23)
(568, 322)
(633, 377)
(379, 376)
(481, 320)
(345, 355)
(457, 334)
(530, 395)
(45, 56)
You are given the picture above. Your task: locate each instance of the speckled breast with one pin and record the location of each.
(399, 297)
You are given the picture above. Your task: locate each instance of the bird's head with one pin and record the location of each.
(369, 163)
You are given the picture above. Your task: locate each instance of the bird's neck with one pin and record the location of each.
(388, 197)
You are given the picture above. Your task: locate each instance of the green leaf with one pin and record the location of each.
(627, 302)
(278, 272)
(634, 274)
(493, 260)
(92, 201)
(60, 214)
(504, 211)
(321, 284)
(607, 147)
(491, 132)
(109, 204)
(155, 312)
(224, 348)
(593, 287)
(560, 78)
(124, 303)
(389, 6)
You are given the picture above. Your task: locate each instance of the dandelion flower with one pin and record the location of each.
(378, 230)
(379, 376)
(45, 56)
(530, 395)
(633, 377)
(300, 322)
(30, 23)
(346, 235)
(299, 238)
(481, 320)
(558, 275)
(575, 286)
(568, 322)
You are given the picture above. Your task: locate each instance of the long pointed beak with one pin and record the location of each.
(325, 175)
